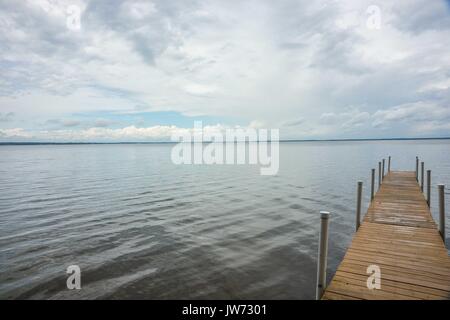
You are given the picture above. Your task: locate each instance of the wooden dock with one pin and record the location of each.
(398, 235)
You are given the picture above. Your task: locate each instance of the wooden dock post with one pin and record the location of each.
(441, 188)
(323, 252)
(389, 164)
(428, 187)
(372, 185)
(358, 204)
(417, 169)
(382, 176)
(422, 175)
(379, 174)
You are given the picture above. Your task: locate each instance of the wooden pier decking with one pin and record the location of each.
(399, 235)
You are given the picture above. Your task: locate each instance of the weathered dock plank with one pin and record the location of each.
(398, 234)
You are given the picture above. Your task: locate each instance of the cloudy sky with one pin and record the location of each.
(137, 70)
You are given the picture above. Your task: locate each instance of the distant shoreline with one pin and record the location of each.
(171, 142)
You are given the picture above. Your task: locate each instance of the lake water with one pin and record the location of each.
(141, 227)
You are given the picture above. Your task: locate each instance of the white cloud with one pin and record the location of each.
(313, 69)
(6, 117)
(103, 134)
(199, 89)
(15, 133)
(412, 113)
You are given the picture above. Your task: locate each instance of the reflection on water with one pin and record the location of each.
(141, 227)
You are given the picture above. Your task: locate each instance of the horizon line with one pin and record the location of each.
(174, 142)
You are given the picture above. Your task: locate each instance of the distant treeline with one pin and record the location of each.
(170, 142)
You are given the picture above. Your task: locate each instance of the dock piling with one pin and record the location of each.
(323, 252)
(382, 176)
(422, 164)
(358, 205)
(389, 164)
(379, 174)
(372, 185)
(417, 169)
(428, 187)
(441, 189)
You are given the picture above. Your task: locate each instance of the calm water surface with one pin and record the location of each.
(141, 227)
